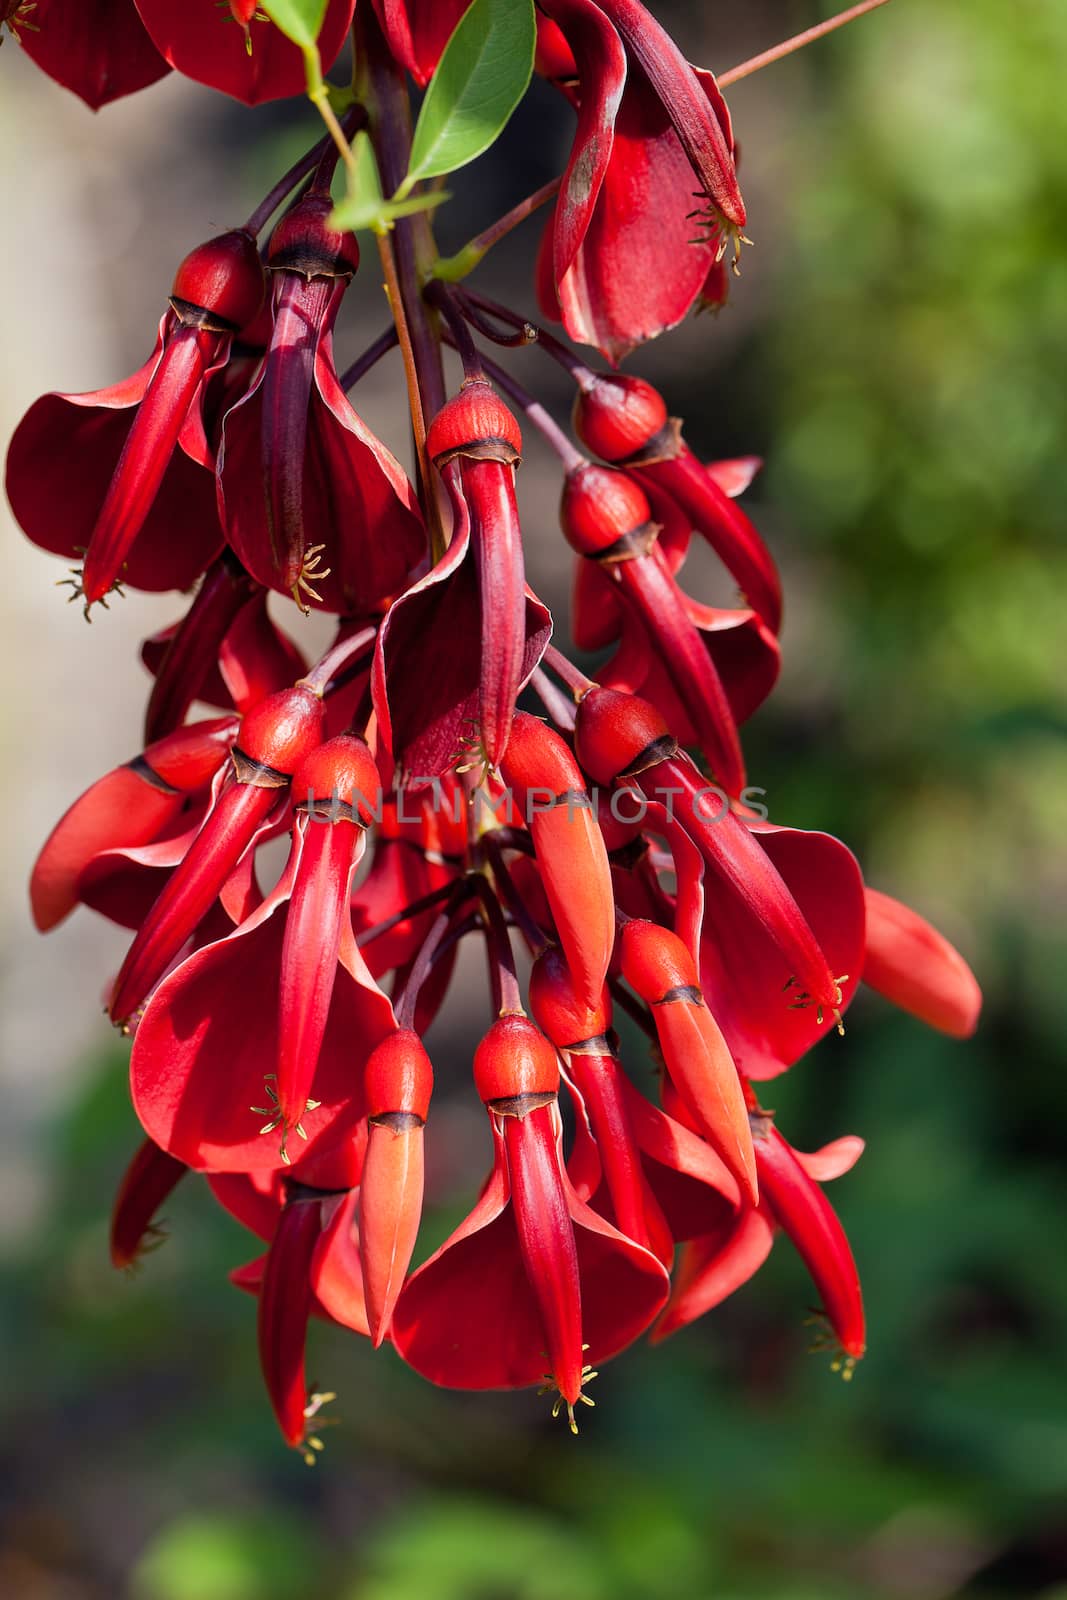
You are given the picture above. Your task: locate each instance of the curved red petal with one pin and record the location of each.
(97, 48)
(201, 40)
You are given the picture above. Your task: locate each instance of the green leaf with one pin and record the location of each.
(364, 206)
(299, 20)
(479, 81)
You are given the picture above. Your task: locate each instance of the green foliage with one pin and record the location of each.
(364, 206)
(479, 81)
(299, 20)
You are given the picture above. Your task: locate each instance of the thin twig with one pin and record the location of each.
(779, 51)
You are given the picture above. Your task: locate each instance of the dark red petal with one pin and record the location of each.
(65, 450)
(97, 48)
(200, 39)
(208, 1038)
(601, 66)
(427, 664)
(147, 1182)
(712, 1267)
(731, 534)
(126, 807)
(418, 30)
(357, 501)
(743, 970)
(638, 270)
(915, 967)
(336, 1271)
(183, 657)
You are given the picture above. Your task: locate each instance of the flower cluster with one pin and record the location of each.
(443, 772)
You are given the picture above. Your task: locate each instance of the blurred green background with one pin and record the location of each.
(896, 352)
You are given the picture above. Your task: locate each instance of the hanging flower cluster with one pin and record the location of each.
(443, 773)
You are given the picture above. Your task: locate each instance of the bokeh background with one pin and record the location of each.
(895, 351)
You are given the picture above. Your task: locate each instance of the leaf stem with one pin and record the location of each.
(788, 46)
(453, 268)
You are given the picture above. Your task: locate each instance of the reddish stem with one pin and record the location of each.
(778, 52)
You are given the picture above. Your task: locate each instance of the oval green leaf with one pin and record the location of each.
(299, 20)
(480, 79)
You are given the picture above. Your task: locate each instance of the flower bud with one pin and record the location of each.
(617, 416)
(476, 424)
(281, 731)
(606, 515)
(398, 1078)
(560, 1011)
(515, 1067)
(339, 779)
(304, 243)
(618, 734)
(222, 280)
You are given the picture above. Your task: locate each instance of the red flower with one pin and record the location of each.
(417, 31)
(236, 48)
(791, 1198)
(138, 509)
(455, 650)
(97, 48)
(532, 1268)
(312, 502)
(274, 739)
(133, 805)
(650, 198)
(913, 965)
(625, 421)
(286, 996)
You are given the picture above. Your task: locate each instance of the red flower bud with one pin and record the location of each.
(398, 1081)
(220, 284)
(561, 1012)
(658, 966)
(616, 416)
(476, 424)
(339, 779)
(303, 243)
(515, 1067)
(618, 734)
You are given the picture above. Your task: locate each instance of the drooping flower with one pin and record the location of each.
(132, 464)
(625, 421)
(532, 1269)
(273, 741)
(312, 501)
(650, 199)
(455, 650)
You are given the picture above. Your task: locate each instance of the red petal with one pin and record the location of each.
(713, 1267)
(200, 39)
(731, 534)
(285, 1300)
(97, 48)
(123, 808)
(327, 853)
(357, 501)
(468, 1318)
(418, 30)
(637, 271)
(66, 449)
(743, 970)
(336, 1272)
(601, 63)
(812, 1224)
(210, 1032)
(915, 967)
(147, 1182)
